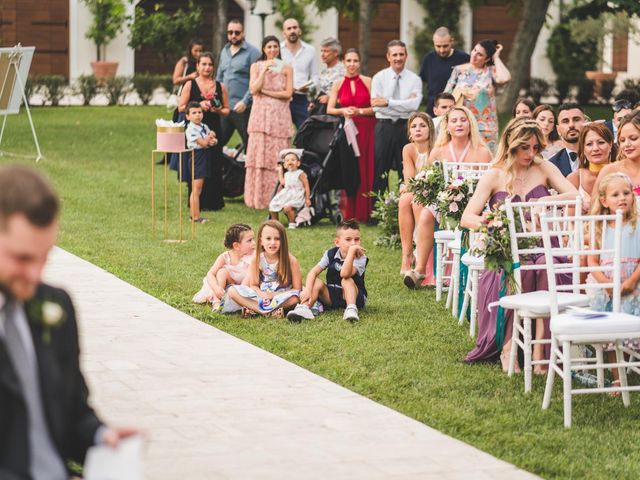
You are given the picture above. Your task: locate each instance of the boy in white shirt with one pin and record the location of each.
(199, 138)
(442, 104)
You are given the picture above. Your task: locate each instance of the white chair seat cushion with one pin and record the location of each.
(604, 323)
(472, 260)
(444, 235)
(537, 303)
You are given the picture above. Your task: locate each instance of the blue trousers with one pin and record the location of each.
(299, 109)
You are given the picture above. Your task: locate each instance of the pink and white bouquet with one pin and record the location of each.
(453, 199)
(427, 184)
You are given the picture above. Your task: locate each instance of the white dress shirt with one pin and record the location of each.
(303, 63)
(574, 163)
(383, 84)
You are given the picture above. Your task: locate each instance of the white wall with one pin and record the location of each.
(82, 51)
(633, 53)
(411, 20)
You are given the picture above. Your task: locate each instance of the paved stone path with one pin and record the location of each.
(216, 407)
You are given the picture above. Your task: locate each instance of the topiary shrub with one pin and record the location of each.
(606, 89)
(116, 88)
(53, 88)
(87, 87)
(538, 88)
(145, 84)
(585, 91)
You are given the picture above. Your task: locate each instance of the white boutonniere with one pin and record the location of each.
(49, 314)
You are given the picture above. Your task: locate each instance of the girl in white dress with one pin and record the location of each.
(296, 192)
(231, 266)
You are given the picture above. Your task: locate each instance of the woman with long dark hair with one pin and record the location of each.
(474, 84)
(270, 128)
(212, 97)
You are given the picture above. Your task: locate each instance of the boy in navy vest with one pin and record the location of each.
(345, 265)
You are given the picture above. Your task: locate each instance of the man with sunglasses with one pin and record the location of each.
(622, 106)
(235, 63)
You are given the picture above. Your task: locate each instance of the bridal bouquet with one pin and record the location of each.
(427, 184)
(493, 242)
(453, 199)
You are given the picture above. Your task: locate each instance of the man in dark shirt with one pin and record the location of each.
(437, 64)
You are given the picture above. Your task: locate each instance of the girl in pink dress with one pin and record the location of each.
(353, 95)
(270, 128)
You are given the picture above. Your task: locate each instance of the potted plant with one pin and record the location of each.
(108, 19)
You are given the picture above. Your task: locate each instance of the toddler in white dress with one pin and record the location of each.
(295, 193)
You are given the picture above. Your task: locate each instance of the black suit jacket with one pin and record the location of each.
(562, 161)
(72, 423)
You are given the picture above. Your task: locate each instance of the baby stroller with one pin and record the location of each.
(320, 137)
(233, 171)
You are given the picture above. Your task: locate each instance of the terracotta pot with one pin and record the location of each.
(104, 70)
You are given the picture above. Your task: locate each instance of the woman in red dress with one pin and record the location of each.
(351, 98)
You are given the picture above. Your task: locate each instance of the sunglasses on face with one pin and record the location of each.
(622, 104)
(234, 32)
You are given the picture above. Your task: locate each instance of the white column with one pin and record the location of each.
(466, 26)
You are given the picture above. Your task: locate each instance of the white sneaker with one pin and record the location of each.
(351, 314)
(300, 313)
(292, 226)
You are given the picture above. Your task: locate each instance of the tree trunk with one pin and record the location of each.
(364, 34)
(219, 27)
(534, 13)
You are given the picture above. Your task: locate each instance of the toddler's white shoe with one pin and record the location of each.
(300, 313)
(351, 314)
(292, 225)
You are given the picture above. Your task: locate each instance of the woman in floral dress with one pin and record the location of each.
(473, 85)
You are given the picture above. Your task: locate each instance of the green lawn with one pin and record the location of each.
(406, 352)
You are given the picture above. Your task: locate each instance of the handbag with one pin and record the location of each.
(172, 101)
(458, 96)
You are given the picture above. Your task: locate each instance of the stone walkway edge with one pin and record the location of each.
(217, 407)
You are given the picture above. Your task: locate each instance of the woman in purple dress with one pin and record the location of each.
(521, 173)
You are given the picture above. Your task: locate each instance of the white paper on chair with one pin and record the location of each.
(121, 463)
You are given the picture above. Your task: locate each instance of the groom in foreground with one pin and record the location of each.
(45, 419)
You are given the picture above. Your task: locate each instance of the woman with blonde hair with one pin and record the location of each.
(415, 157)
(518, 172)
(459, 141)
(628, 153)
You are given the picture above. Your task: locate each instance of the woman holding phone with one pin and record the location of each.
(270, 128)
(212, 97)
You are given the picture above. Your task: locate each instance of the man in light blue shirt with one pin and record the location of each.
(235, 64)
(302, 58)
(395, 94)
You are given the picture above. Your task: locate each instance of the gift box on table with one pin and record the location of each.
(170, 139)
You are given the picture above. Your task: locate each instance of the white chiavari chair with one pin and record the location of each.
(528, 306)
(447, 243)
(583, 327)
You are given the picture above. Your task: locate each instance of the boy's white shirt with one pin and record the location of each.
(195, 131)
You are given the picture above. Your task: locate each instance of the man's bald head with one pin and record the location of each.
(443, 42)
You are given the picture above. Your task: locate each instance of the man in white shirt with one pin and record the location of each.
(395, 94)
(570, 122)
(302, 58)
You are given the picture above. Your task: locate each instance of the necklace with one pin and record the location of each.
(522, 178)
(596, 168)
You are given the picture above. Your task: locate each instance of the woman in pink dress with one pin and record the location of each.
(270, 128)
(351, 98)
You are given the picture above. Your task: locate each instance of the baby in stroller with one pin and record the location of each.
(296, 192)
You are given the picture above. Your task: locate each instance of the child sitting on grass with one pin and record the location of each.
(231, 266)
(274, 279)
(199, 138)
(345, 265)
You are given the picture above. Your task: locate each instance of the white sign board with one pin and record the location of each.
(13, 61)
